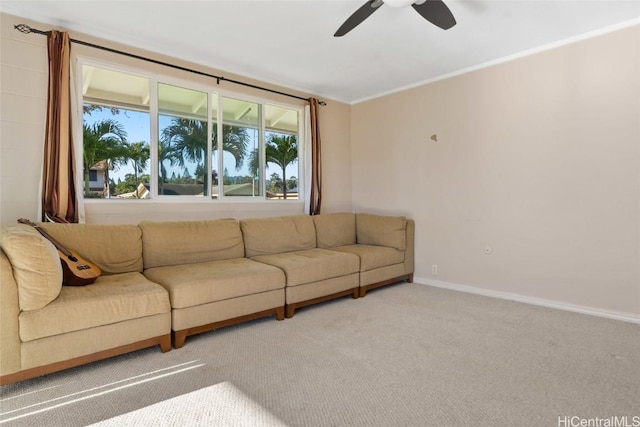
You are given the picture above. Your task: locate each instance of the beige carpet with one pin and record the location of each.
(405, 355)
(217, 405)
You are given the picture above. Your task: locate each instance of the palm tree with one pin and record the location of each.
(102, 141)
(166, 153)
(138, 153)
(281, 150)
(235, 140)
(189, 139)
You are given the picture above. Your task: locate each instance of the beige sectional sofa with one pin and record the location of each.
(181, 278)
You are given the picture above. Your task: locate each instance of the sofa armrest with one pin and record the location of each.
(9, 326)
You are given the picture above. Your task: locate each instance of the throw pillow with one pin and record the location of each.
(36, 265)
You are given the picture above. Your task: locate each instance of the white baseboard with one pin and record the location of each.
(623, 316)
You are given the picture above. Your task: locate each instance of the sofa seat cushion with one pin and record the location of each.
(372, 257)
(111, 299)
(202, 283)
(312, 265)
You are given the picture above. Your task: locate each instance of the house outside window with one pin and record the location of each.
(150, 137)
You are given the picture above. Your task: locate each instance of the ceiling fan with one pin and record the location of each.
(434, 11)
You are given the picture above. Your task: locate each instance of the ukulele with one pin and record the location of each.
(76, 270)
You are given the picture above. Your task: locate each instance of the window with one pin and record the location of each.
(183, 131)
(241, 174)
(204, 143)
(281, 152)
(116, 134)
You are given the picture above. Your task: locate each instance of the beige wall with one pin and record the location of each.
(23, 102)
(537, 158)
(23, 77)
(336, 153)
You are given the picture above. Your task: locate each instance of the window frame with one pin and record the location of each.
(155, 79)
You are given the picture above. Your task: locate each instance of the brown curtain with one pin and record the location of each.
(59, 200)
(316, 160)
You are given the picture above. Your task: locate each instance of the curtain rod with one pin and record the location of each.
(26, 29)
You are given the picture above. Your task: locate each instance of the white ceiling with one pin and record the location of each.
(291, 43)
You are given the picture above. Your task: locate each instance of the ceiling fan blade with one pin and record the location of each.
(358, 16)
(436, 12)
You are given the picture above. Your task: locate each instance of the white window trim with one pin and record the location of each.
(156, 78)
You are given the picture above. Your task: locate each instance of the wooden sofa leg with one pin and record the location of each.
(363, 292)
(290, 309)
(356, 293)
(165, 343)
(179, 337)
(280, 313)
(410, 278)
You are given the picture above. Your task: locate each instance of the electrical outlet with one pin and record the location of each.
(434, 269)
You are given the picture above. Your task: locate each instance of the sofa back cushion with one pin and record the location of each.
(187, 242)
(336, 229)
(266, 236)
(35, 263)
(113, 248)
(382, 230)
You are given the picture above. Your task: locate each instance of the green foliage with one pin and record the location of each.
(292, 183)
(89, 108)
(281, 150)
(103, 145)
(130, 183)
(274, 184)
